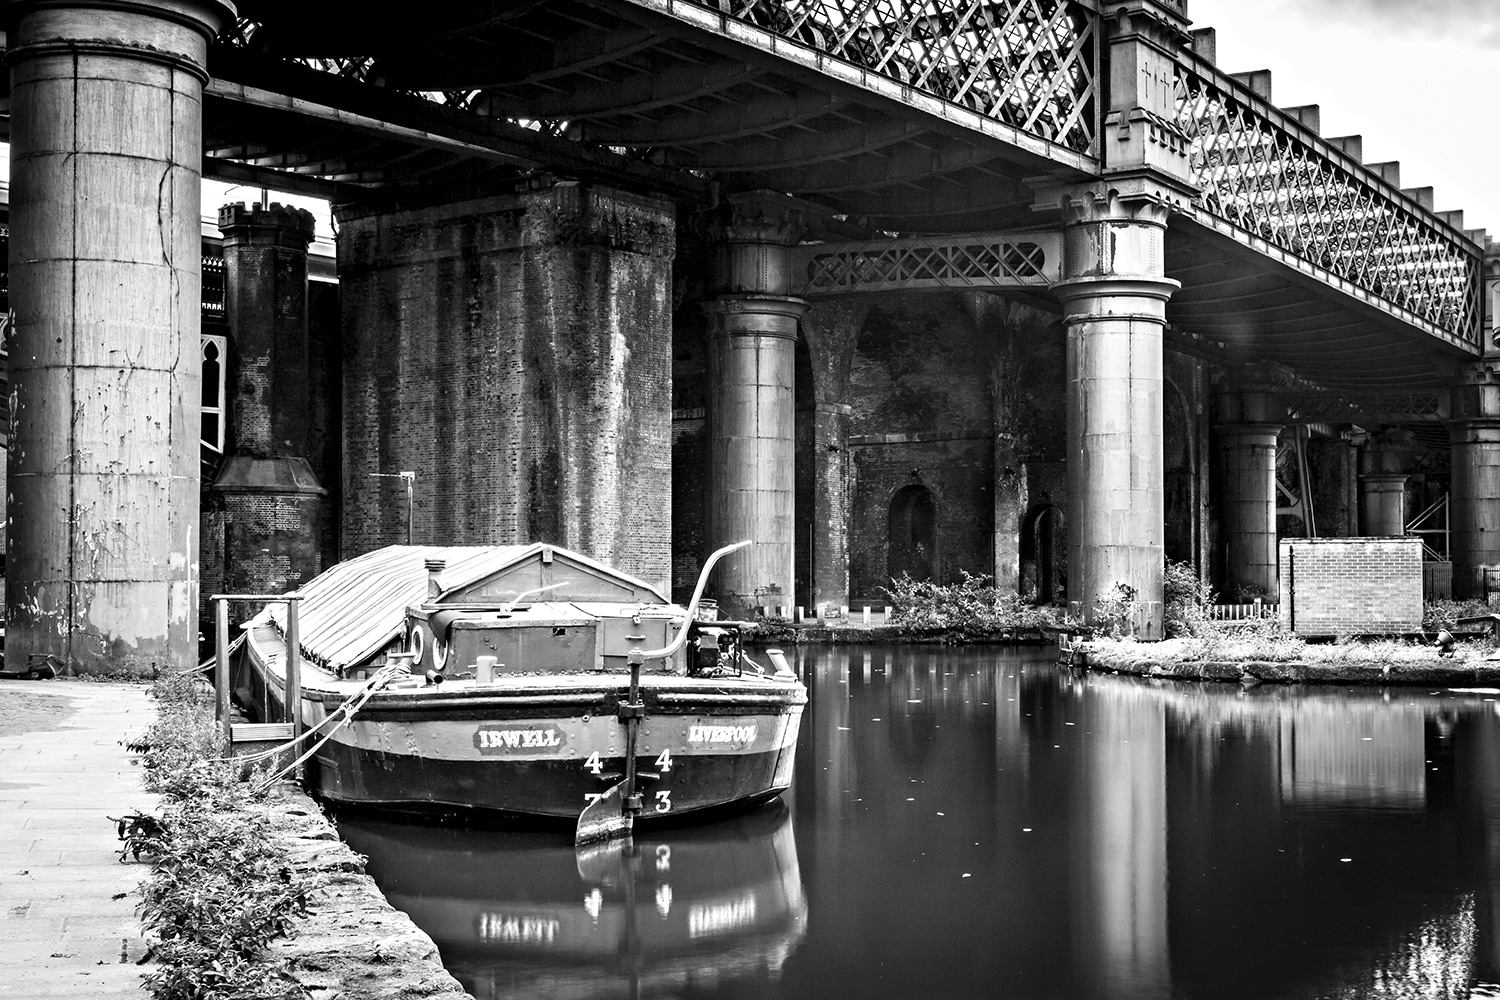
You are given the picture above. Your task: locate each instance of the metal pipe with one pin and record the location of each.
(672, 647)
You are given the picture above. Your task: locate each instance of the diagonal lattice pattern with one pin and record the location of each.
(919, 262)
(1284, 185)
(1031, 64)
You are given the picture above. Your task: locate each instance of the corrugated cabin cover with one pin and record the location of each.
(353, 610)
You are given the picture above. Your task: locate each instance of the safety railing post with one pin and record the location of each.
(293, 666)
(221, 667)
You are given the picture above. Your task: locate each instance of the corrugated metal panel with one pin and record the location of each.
(349, 612)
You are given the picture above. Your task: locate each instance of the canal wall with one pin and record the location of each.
(351, 944)
(1437, 673)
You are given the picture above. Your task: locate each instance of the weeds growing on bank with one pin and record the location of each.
(219, 891)
(970, 611)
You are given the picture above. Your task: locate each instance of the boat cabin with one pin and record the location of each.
(488, 612)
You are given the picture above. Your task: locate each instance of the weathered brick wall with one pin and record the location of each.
(689, 409)
(1185, 428)
(923, 386)
(1334, 586)
(325, 434)
(958, 472)
(515, 352)
(921, 402)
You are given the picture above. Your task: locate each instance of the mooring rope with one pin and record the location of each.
(350, 706)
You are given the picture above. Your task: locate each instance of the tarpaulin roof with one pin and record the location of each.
(351, 611)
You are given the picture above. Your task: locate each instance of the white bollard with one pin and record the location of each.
(866, 615)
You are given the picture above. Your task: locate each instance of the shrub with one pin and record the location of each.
(969, 611)
(220, 890)
(1185, 600)
(1445, 614)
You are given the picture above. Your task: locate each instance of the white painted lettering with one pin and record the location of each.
(506, 928)
(714, 919)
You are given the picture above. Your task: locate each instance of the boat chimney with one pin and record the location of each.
(434, 567)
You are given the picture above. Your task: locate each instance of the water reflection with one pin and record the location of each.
(977, 823)
(520, 914)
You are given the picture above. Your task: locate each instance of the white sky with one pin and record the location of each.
(1408, 75)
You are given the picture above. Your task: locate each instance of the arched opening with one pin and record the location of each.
(1038, 554)
(911, 534)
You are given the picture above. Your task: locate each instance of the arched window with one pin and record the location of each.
(1038, 553)
(912, 534)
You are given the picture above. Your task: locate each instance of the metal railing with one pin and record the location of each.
(1431, 526)
(1271, 178)
(1031, 64)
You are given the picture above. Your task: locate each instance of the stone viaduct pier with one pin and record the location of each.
(1024, 288)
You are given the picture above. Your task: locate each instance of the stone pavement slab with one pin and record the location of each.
(68, 924)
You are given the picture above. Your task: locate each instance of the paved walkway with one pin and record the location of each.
(68, 926)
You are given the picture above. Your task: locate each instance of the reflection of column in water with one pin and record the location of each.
(1480, 782)
(1349, 752)
(1012, 748)
(833, 767)
(1119, 841)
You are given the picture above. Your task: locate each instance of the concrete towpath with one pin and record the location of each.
(68, 923)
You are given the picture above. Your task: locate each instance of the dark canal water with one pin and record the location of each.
(987, 824)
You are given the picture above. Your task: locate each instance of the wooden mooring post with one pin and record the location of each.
(292, 709)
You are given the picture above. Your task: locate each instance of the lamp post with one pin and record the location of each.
(410, 479)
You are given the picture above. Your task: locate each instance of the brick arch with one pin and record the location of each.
(912, 533)
(1040, 549)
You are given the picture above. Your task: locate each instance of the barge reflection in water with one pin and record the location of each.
(977, 823)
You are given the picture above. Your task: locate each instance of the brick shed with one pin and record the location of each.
(1340, 586)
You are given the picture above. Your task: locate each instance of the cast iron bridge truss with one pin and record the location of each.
(980, 260)
(903, 116)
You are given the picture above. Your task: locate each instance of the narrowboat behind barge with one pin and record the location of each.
(499, 679)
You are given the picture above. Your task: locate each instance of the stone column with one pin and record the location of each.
(267, 501)
(832, 327)
(1382, 485)
(1114, 299)
(1114, 296)
(751, 344)
(106, 156)
(1474, 499)
(1249, 511)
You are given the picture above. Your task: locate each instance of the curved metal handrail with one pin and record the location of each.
(692, 610)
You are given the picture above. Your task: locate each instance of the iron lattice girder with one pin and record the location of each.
(1029, 260)
(1029, 65)
(1268, 177)
(1366, 408)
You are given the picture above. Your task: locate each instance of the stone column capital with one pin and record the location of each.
(1244, 435)
(174, 33)
(754, 315)
(762, 217)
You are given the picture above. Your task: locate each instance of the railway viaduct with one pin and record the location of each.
(1028, 288)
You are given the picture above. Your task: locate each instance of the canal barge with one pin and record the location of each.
(518, 680)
